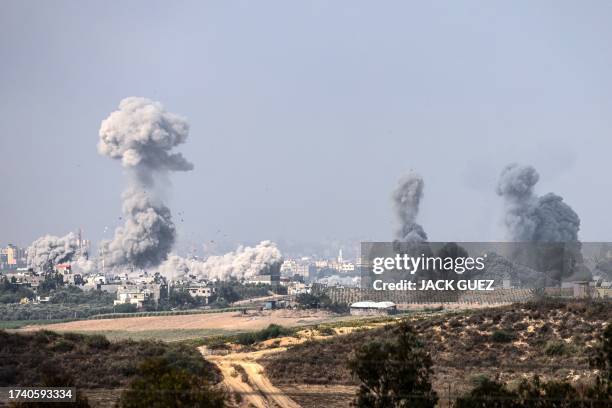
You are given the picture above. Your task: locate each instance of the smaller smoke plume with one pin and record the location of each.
(244, 263)
(49, 250)
(339, 280)
(406, 199)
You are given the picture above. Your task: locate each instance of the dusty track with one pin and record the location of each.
(258, 391)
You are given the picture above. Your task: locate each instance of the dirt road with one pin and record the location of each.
(257, 389)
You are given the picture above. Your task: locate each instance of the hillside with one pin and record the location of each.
(552, 339)
(90, 361)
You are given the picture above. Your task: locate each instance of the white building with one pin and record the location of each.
(137, 294)
(373, 308)
(265, 279)
(200, 291)
(297, 288)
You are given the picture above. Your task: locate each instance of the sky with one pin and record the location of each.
(305, 114)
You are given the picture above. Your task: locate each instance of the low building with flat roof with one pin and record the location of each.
(373, 308)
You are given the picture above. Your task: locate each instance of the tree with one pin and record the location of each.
(54, 376)
(160, 385)
(394, 373)
(603, 359)
(489, 393)
(51, 282)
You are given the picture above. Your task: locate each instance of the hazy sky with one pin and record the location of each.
(304, 114)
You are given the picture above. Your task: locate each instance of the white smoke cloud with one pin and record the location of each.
(406, 199)
(84, 266)
(50, 250)
(532, 218)
(176, 267)
(338, 280)
(142, 134)
(243, 263)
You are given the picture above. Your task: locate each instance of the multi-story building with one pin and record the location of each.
(201, 291)
(137, 294)
(14, 256)
(297, 288)
(289, 267)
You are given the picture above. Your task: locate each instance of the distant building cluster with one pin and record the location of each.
(330, 272)
(12, 257)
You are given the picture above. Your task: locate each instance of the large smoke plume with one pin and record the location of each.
(532, 218)
(243, 263)
(406, 199)
(141, 135)
(549, 224)
(49, 250)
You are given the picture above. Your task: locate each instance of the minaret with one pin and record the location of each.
(340, 256)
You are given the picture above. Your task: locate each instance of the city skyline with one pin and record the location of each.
(299, 152)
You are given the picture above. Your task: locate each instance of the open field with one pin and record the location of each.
(190, 326)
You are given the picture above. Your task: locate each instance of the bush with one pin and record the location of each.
(310, 301)
(394, 373)
(75, 295)
(97, 341)
(502, 336)
(92, 361)
(554, 348)
(270, 332)
(12, 292)
(125, 308)
(158, 384)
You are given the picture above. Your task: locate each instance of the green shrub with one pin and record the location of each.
(125, 308)
(502, 336)
(97, 341)
(161, 385)
(555, 348)
(63, 346)
(394, 373)
(270, 332)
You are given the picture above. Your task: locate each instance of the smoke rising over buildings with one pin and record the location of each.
(406, 199)
(243, 263)
(532, 218)
(49, 250)
(141, 135)
(545, 221)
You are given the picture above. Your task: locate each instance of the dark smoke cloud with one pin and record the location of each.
(532, 218)
(142, 134)
(547, 222)
(406, 199)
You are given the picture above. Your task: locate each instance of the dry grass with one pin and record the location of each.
(509, 342)
(230, 321)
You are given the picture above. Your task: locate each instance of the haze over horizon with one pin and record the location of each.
(304, 116)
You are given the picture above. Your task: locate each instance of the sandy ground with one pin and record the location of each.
(257, 391)
(231, 321)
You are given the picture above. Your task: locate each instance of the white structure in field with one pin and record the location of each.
(373, 308)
